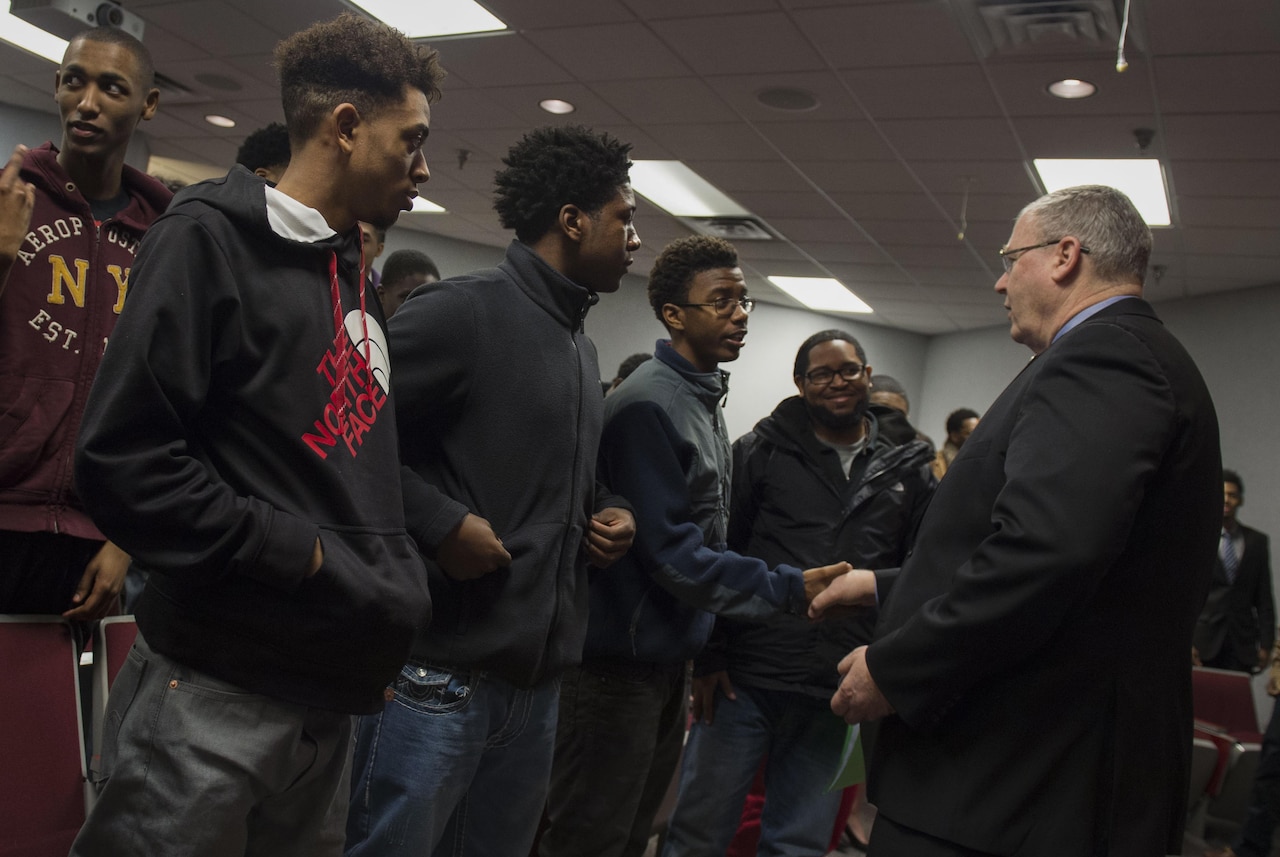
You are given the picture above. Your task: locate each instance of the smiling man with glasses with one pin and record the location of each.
(664, 448)
(814, 479)
(1030, 665)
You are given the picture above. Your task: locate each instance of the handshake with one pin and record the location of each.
(838, 586)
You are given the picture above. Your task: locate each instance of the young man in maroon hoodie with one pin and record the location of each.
(71, 218)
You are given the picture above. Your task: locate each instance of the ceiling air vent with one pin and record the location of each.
(730, 228)
(1044, 26)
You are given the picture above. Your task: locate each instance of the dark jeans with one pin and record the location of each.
(617, 745)
(1254, 839)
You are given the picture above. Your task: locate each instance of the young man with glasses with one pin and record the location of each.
(665, 448)
(814, 479)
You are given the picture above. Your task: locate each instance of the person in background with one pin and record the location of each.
(266, 152)
(960, 424)
(1236, 627)
(405, 271)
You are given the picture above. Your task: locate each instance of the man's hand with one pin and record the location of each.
(609, 536)
(1262, 659)
(855, 589)
(704, 694)
(858, 699)
(818, 579)
(1195, 657)
(317, 558)
(100, 585)
(17, 200)
(1273, 680)
(472, 550)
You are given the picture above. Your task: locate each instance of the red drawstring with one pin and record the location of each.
(339, 396)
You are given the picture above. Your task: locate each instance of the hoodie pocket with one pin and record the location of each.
(37, 406)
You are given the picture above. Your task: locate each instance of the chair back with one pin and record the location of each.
(42, 778)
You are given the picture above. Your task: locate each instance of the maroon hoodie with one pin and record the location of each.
(64, 294)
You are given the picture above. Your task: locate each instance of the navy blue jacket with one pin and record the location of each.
(666, 450)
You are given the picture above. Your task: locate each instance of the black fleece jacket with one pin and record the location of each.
(233, 420)
(500, 414)
(792, 503)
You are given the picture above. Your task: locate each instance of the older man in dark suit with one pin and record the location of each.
(1238, 622)
(1030, 664)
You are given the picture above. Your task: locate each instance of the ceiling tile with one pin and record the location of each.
(860, 36)
(610, 52)
(733, 44)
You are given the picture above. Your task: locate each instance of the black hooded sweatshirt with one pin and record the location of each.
(242, 409)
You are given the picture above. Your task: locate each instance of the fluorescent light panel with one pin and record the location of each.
(821, 293)
(678, 190)
(30, 38)
(422, 205)
(1141, 180)
(422, 19)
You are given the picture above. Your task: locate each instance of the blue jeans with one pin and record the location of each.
(801, 739)
(194, 766)
(456, 764)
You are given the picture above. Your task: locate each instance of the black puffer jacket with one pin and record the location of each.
(792, 504)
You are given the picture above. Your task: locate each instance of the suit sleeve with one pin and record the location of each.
(1265, 600)
(641, 458)
(430, 337)
(1090, 431)
(140, 476)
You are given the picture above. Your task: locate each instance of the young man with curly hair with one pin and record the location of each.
(664, 448)
(266, 152)
(500, 411)
(240, 444)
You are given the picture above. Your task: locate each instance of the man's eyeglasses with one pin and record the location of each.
(724, 307)
(1007, 257)
(822, 377)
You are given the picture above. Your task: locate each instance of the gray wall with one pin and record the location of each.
(623, 324)
(1231, 336)
(33, 127)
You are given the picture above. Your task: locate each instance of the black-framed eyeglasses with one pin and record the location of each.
(724, 307)
(822, 377)
(1007, 257)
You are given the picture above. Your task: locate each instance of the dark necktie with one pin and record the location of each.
(1230, 562)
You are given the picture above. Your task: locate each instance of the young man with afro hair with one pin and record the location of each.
(500, 411)
(664, 448)
(240, 443)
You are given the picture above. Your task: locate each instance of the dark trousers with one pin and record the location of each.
(893, 840)
(1255, 835)
(618, 741)
(39, 571)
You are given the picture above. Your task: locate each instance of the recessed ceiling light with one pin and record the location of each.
(821, 293)
(220, 121)
(678, 190)
(29, 37)
(555, 105)
(426, 18)
(1141, 179)
(421, 205)
(787, 98)
(1071, 88)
